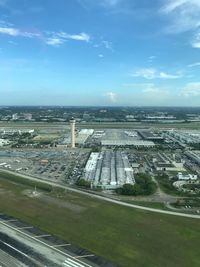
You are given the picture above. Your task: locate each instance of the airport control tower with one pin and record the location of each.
(72, 123)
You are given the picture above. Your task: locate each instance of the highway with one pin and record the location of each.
(111, 200)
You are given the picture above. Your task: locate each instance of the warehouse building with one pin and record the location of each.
(193, 155)
(163, 162)
(109, 170)
(149, 135)
(135, 143)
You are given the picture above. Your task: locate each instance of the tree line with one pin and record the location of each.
(143, 186)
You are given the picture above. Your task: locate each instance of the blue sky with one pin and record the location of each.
(100, 52)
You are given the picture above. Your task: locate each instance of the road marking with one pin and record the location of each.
(71, 263)
(8, 245)
(43, 243)
(11, 220)
(38, 236)
(20, 252)
(61, 245)
(25, 227)
(84, 256)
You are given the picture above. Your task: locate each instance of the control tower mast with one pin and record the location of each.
(72, 124)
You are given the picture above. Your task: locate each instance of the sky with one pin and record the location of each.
(100, 52)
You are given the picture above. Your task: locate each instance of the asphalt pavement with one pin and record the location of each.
(23, 245)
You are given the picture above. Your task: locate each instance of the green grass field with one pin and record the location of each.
(122, 235)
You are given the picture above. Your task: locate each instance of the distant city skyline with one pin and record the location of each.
(100, 52)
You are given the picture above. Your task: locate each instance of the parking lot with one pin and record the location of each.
(61, 166)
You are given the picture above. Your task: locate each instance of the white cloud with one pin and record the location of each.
(100, 55)
(184, 14)
(151, 73)
(78, 37)
(172, 5)
(164, 75)
(50, 38)
(145, 73)
(151, 90)
(196, 40)
(191, 90)
(196, 44)
(111, 96)
(196, 64)
(17, 32)
(30, 34)
(104, 44)
(9, 31)
(146, 88)
(107, 44)
(150, 93)
(6, 24)
(151, 59)
(58, 38)
(54, 41)
(156, 94)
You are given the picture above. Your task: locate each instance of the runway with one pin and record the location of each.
(22, 245)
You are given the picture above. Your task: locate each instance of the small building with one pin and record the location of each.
(44, 161)
(15, 117)
(27, 116)
(161, 166)
(169, 166)
(4, 142)
(186, 177)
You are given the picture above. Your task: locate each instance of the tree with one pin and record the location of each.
(127, 189)
(143, 186)
(83, 183)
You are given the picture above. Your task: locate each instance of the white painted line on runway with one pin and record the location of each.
(84, 256)
(45, 244)
(25, 227)
(38, 236)
(22, 253)
(61, 245)
(72, 263)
